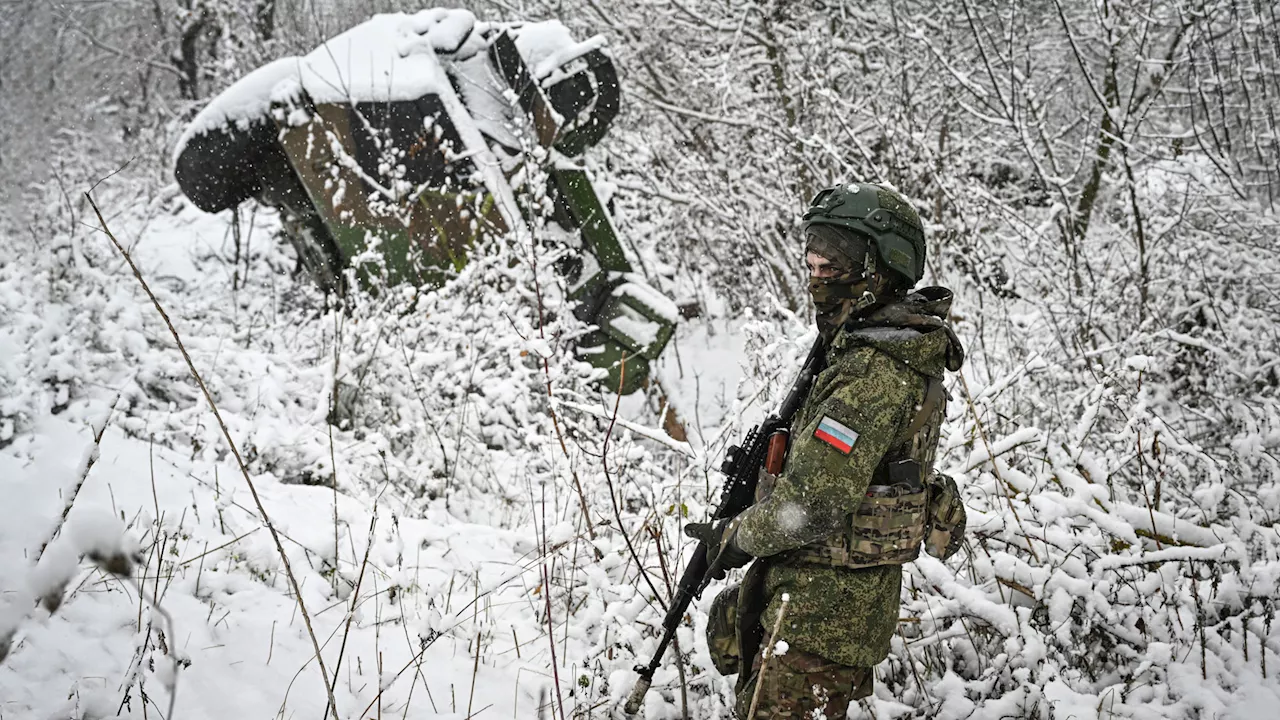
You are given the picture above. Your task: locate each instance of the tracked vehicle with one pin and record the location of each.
(393, 147)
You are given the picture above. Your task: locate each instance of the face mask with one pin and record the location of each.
(836, 299)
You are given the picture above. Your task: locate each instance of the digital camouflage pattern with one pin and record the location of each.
(797, 684)
(875, 380)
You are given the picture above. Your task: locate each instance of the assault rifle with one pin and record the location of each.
(764, 446)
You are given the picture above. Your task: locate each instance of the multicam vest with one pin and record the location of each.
(906, 504)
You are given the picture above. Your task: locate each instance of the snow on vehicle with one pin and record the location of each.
(408, 137)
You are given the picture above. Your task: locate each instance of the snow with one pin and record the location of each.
(99, 534)
(473, 527)
(390, 57)
(453, 503)
(641, 330)
(792, 518)
(655, 434)
(387, 58)
(544, 67)
(248, 100)
(57, 565)
(660, 304)
(1122, 557)
(1140, 362)
(254, 640)
(540, 43)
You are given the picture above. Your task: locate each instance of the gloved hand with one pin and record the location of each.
(723, 554)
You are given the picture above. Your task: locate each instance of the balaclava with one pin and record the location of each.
(855, 287)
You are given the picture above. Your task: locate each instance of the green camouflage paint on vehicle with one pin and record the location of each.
(419, 237)
(400, 190)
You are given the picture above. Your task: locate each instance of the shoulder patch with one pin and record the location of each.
(836, 434)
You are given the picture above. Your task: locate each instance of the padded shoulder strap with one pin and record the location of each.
(932, 396)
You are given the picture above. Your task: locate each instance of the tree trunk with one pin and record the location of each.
(264, 17)
(187, 60)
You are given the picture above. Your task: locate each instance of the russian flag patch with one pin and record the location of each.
(836, 434)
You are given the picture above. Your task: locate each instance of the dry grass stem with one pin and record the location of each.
(355, 600)
(253, 490)
(172, 684)
(82, 474)
(613, 495)
(333, 464)
(767, 655)
(977, 423)
(546, 596)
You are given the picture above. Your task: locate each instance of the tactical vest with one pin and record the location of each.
(906, 504)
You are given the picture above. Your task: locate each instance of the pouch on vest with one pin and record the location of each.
(946, 517)
(901, 509)
(722, 631)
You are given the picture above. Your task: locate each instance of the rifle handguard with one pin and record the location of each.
(777, 454)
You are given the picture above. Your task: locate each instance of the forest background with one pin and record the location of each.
(1099, 181)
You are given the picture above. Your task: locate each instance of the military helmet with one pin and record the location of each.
(880, 214)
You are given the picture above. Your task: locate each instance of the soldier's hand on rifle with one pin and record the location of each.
(723, 554)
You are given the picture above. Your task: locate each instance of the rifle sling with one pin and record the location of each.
(751, 607)
(932, 396)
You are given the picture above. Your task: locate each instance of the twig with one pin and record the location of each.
(253, 490)
(151, 463)
(333, 466)
(977, 423)
(551, 409)
(475, 667)
(911, 661)
(656, 534)
(427, 415)
(200, 570)
(228, 543)
(613, 496)
(172, 685)
(86, 464)
(768, 655)
(109, 175)
(351, 612)
(1142, 463)
(417, 670)
(546, 596)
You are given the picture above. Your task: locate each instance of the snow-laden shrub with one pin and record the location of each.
(1115, 432)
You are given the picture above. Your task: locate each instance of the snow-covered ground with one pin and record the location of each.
(485, 534)
(439, 607)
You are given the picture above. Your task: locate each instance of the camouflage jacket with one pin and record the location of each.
(873, 384)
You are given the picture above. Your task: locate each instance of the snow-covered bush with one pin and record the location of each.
(1114, 432)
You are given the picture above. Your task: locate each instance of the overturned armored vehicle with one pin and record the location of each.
(413, 135)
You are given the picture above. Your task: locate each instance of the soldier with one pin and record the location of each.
(858, 494)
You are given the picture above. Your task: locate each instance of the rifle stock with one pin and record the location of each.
(764, 446)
